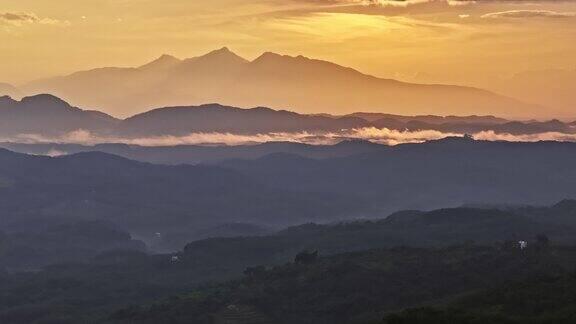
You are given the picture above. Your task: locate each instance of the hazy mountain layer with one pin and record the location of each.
(45, 118)
(432, 174)
(281, 189)
(145, 198)
(47, 115)
(194, 154)
(297, 83)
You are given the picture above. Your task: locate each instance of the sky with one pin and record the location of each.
(512, 47)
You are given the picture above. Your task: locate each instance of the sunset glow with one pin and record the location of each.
(496, 45)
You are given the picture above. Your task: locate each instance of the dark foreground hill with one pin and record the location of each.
(364, 286)
(422, 268)
(544, 298)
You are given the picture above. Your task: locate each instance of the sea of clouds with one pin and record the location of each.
(372, 134)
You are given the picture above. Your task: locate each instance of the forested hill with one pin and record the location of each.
(367, 286)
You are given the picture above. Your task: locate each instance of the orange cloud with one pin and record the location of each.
(20, 18)
(529, 14)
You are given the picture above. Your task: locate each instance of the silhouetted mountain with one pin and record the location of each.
(431, 119)
(48, 115)
(563, 212)
(283, 188)
(44, 116)
(37, 245)
(162, 63)
(194, 154)
(145, 198)
(222, 119)
(447, 172)
(442, 227)
(298, 83)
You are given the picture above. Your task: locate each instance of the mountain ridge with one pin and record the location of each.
(296, 82)
(31, 115)
(46, 114)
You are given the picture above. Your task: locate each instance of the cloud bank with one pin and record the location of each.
(372, 134)
(17, 19)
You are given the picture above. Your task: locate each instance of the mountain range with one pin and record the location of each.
(272, 80)
(47, 115)
(280, 188)
(196, 154)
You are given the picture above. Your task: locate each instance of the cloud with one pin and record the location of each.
(389, 3)
(546, 136)
(372, 134)
(529, 14)
(18, 19)
(382, 7)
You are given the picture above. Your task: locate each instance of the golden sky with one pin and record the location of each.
(482, 43)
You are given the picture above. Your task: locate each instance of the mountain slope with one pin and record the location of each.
(145, 198)
(48, 115)
(223, 119)
(447, 172)
(271, 80)
(45, 115)
(335, 286)
(195, 154)
(361, 287)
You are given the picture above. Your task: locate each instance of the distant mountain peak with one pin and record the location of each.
(167, 57)
(163, 61)
(268, 56)
(455, 140)
(223, 53)
(223, 50)
(43, 98)
(44, 101)
(280, 61)
(306, 84)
